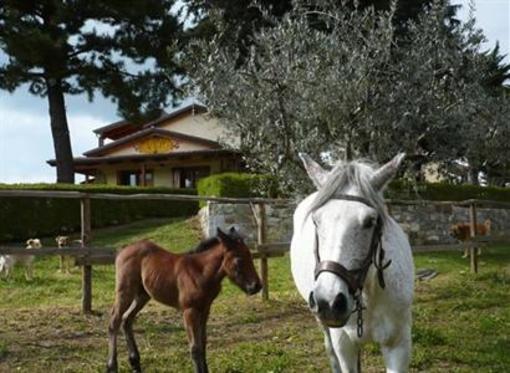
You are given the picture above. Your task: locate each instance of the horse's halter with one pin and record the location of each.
(355, 278)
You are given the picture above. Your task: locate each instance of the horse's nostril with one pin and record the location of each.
(311, 302)
(339, 304)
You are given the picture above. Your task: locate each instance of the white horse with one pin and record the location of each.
(353, 264)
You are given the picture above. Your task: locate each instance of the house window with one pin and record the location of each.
(134, 178)
(187, 177)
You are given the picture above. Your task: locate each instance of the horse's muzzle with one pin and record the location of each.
(333, 314)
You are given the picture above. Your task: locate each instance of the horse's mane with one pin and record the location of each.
(205, 245)
(356, 173)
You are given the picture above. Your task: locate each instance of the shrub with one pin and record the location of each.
(242, 185)
(23, 217)
(445, 192)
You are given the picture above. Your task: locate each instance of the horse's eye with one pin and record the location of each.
(369, 222)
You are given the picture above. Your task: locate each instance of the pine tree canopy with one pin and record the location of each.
(115, 47)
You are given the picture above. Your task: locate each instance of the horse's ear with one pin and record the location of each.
(387, 172)
(315, 172)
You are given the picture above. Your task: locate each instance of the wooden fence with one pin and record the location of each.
(87, 256)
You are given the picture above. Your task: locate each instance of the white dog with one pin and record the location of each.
(7, 262)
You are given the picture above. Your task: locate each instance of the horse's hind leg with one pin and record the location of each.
(128, 318)
(122, 303)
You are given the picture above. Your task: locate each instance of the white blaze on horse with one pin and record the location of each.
(353, 264)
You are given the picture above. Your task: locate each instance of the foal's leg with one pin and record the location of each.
(195, 323)
(346, 350)
(128, 318)
(122, 303)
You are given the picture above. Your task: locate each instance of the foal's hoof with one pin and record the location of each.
(135, 364)
(111, 368)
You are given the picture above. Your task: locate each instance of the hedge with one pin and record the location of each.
(251, 185)
(445, 192)
(21, 218)
(241, 185)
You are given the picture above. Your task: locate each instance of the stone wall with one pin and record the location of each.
(226, 215)
(424, 224)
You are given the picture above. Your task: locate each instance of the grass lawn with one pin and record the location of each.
(461, 321)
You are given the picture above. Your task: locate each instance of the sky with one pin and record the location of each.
(25, 136)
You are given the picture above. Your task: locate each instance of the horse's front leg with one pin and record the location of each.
(397, 356)
(195, 321)
(345, 349)
(333, 360)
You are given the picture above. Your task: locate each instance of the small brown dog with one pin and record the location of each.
(462, 232)
(64, 241)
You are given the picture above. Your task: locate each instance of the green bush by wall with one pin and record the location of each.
(22, 218)
(240, 185)
(250, 185)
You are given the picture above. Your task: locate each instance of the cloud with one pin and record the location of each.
(26, 142)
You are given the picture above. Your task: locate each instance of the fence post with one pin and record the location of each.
(86, 279)
(260, 217)
(473, 257)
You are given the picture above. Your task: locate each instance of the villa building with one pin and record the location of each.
(174, 150)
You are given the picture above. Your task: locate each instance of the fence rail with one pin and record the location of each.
(87, 256)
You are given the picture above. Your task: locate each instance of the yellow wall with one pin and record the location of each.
(431, 173)
(199, 125)
(162, 173)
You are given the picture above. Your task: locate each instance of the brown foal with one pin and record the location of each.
(189, 282)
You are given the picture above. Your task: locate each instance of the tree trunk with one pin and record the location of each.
(60, 132)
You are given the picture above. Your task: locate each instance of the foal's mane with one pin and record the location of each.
(210, 242)
(357, 173)
(205, 245)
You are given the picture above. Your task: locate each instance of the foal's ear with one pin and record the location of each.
(387, 172)
(220, 233)
(314, 170)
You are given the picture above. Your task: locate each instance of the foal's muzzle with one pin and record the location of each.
(253, 288)
(333, 313)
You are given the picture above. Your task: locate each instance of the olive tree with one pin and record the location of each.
(333, 82)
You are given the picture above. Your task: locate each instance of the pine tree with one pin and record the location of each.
(61, 47)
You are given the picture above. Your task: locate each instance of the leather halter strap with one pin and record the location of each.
(355, 278)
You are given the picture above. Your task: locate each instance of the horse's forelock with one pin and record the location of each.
(346, 174)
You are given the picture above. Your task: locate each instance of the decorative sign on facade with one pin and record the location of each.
(156, 145)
